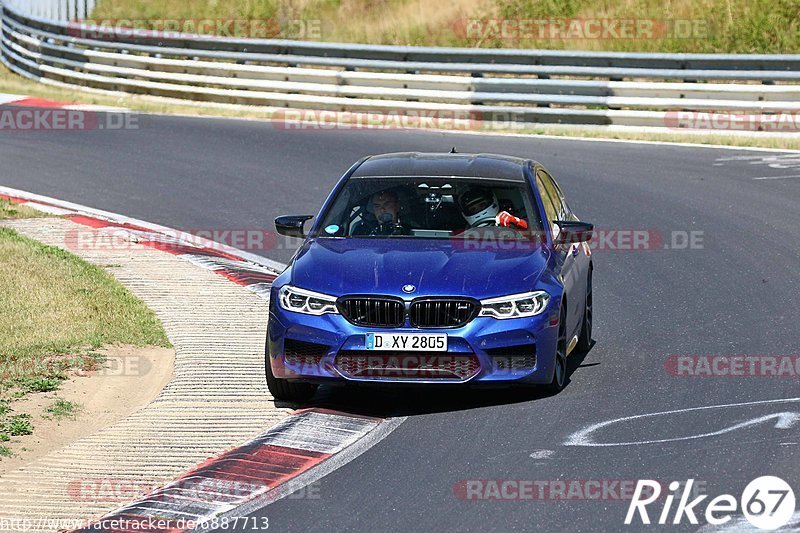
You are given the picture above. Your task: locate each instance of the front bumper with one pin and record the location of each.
(328, 348)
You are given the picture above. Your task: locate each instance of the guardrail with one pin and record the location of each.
(630, 89)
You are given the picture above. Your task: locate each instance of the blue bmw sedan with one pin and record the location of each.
(432, 268)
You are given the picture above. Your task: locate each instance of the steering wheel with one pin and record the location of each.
(380, 230)
(358, 212)
(485, 222)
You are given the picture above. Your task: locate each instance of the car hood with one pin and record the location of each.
(435, 267)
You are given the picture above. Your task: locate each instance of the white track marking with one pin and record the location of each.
(741, 525)
(49, 209)
(785, 420)
(319, 432)
(95, 108)
(542, 454)
(785, 161)
(8, 98)
(777, 177)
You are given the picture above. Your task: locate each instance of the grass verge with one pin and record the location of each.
(57, 308)
(61, 409)
(57, 304)
(10, 211)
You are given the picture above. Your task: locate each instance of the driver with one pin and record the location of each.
(385, 206)
(480, 208)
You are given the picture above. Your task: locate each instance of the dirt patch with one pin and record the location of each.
(130, 379)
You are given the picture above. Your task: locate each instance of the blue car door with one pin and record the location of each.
(567, 255)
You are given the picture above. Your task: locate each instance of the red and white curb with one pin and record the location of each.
(250, 476)
(251, 271)
(31, 101)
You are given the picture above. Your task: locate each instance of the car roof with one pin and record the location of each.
(404, 164)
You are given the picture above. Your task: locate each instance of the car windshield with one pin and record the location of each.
(429, 207)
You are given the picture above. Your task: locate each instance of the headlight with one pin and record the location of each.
(307, 302)
(515, 305)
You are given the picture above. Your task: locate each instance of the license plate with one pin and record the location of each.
(407, 342)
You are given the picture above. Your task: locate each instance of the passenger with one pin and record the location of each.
(480, 208)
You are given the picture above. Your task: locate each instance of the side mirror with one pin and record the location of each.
(572, 232)
(292, 225)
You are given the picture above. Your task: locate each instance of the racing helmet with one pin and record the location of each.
(478, 203)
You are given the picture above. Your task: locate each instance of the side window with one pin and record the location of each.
(549, 206)
(548, 187)
(567, 212)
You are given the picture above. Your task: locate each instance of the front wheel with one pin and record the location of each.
(285, 390)
(560, 371)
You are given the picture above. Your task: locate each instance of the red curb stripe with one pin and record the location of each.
(12, 199)
(37, 102)
(267, 455)
(183, 249)
(89, 221)
(100, 223)
(240, 475)
(270, 464)
(173, 248)
(241, 276)
(245, 278)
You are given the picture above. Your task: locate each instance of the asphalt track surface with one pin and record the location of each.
(737, 294)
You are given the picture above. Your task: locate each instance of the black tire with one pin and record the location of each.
(585, 340)
(288, 391)
(560, 371)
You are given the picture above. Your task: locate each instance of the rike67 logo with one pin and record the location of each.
(767, 503)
